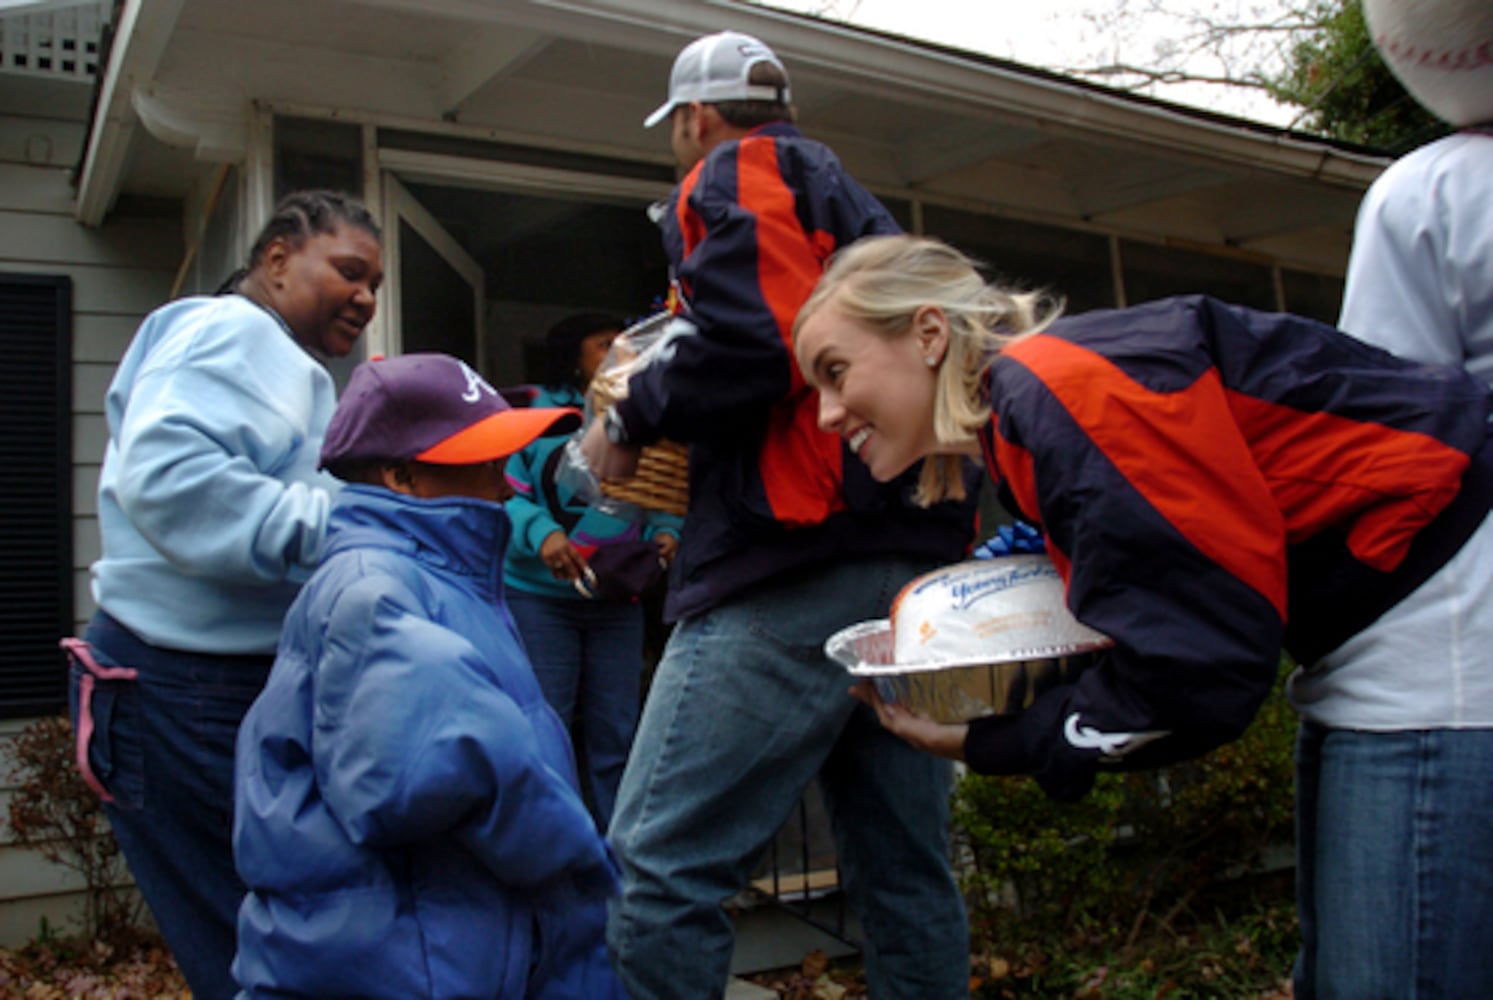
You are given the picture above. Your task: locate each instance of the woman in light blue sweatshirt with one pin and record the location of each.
(212, 513)
(587, 652)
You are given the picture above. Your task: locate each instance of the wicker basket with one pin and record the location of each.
(661, 482)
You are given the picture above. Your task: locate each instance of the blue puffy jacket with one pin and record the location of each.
(406, 814)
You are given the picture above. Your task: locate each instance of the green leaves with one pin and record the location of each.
(1144, 877)
(1346, 91)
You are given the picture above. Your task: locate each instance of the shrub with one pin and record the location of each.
(1146, 868)
(54, 812)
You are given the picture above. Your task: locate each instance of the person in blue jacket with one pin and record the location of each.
(1215, 485)
(407, 818)
(212, 513)
(587, 650)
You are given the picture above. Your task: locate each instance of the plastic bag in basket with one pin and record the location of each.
(661, 482)
(633, 350)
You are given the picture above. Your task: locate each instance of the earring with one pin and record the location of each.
(931, 361)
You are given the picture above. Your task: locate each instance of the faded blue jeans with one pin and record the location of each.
(744, 712)
(1394, 864)
(588, 657)
(162, 748)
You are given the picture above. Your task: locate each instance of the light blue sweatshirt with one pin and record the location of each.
(211, 507)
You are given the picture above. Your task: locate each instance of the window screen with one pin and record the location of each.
(1155, 272)
(36, 607)
(1068, 263)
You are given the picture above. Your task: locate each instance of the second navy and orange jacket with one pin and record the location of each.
(747, 233)
(1216, 485)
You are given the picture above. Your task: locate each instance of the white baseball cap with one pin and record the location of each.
(718, 68)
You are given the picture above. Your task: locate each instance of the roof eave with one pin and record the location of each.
(140, 35)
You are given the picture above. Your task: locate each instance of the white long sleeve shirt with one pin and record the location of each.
(1420, 284)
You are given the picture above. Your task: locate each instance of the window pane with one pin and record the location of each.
(436, 302)
(1319, 296)
(1158, 272)
(544, 257)
(901, 210)
(1068, 262)
(317, 154)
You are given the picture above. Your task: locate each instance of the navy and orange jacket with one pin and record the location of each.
(1216, 485)
(747, 234)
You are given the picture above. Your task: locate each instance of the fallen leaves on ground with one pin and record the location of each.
(144, 970)
(73, 970)
(814, 979)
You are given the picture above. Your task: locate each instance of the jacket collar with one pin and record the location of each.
(461, 535)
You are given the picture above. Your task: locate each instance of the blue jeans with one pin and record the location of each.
(1395, 864)
(162, 747)
(588, 656)
(744, 712)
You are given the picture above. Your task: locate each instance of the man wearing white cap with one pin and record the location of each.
(787, 539)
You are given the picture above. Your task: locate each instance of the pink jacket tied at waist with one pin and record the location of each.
(80, 654)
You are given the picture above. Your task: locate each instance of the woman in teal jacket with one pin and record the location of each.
(587, 652)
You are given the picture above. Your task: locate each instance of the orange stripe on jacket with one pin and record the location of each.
(691, 232)
(1014, 465)
(801, 465)
(788, 264)
(1325, 469)
(1182, 451)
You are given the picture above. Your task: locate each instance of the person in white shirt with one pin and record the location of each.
(1395, 757)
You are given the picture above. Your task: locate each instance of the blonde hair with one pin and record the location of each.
(882, 281)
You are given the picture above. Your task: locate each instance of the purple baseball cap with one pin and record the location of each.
(432, 408)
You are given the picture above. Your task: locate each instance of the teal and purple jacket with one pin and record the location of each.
(538, 489)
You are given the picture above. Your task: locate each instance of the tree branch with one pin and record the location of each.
(1152, 75)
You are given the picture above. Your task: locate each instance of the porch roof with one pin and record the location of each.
(908, 118)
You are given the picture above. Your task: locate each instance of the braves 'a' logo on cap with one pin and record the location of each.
(476, 384)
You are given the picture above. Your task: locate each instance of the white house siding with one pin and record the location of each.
(119, 273)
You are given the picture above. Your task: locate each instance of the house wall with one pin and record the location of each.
(119, 272)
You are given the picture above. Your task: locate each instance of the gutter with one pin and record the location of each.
(935, 72)
(1048, 99)
(139, 31)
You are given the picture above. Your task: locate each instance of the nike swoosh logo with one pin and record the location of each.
(1112, 745)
